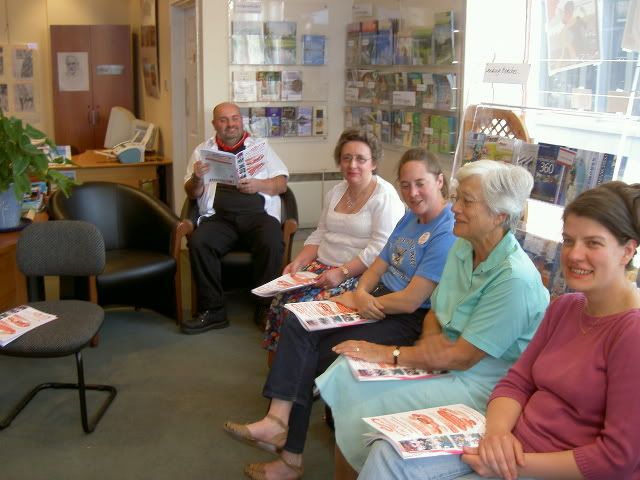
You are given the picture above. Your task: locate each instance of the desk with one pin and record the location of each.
(94, 167)
(13, 285)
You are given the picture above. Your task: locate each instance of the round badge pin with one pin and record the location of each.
(423, 238)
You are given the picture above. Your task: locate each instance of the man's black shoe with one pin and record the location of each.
(207, 320)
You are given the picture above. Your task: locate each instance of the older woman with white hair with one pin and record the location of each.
(485, 310)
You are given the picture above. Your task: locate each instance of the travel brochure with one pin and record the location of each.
(560, 173)
(266, 86)
(388, 42)
(20, 320)
(365, 371)
(325, 314)
(227, 168)
(429, 432)
(274, 43)
(436, 133)
(429, 91)
(285, 121)
(285, 283)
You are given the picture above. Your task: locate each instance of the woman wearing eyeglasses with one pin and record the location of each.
(395, 290)
(359, 215)
(484, 312)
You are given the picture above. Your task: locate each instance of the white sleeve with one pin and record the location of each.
(275, 166)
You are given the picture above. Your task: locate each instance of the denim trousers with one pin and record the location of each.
(303, 355)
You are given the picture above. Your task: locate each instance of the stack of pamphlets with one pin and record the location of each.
(285, 283)
(365, 371)
(20, 320)
(429, 432)
(325, 314)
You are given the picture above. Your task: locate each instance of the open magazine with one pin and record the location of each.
(285, 283)
(429, 432)
(324, 314)
(375, 371)
(227, 168)
(20, 320)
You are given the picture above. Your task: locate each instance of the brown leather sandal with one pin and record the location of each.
(273, 445)
(257, 471)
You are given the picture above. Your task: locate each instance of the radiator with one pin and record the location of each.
(310, 189)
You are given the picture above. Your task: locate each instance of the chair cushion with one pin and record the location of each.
(134, 266)
(75, 326)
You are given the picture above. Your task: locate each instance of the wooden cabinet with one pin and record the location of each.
(91, 72)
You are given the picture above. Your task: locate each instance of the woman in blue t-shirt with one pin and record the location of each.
(395, 289)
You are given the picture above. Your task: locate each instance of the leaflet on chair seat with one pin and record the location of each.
(20, 320)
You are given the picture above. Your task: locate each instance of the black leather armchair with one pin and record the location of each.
(142, 239)
(236, 265)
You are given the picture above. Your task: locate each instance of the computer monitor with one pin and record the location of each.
(125, 127)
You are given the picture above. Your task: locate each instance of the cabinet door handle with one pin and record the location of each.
(96, 115)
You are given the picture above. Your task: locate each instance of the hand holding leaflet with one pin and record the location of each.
(285, 283)
(227, 168)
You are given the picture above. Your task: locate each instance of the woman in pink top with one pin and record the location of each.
(568, 408)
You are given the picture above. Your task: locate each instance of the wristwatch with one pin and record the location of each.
(396, 354)
(345, 270)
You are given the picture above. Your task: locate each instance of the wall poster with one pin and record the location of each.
(149, 48)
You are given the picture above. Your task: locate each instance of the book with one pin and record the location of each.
(383, 42)
(443, 38)
(364, 371)
(259, 123)
(291, 85)
(313, 49)
(422, 46)
(304, 120)
(285, 283)
(274, 114)
(280, 42)
(325, 314)
(247, 43)
(244, 86)
(269, 84)
(352, 50)
(289, 122)
(368, 33)
(429, 432)
(366, 85)
(319, 120)
(20, 320)
(227, 168)
(403, 48)
(548, 174)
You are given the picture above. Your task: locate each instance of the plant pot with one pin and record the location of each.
(10, 209)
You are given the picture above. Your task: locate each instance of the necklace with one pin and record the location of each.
(352, 202)
(586, 329)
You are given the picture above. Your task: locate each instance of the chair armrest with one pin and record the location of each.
(181, 230)
(289, 228)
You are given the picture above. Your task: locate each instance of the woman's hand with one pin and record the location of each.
(347, 299)
(330, 278)
(368, 306)
(361, 350)
(472, 458)
(502, 452)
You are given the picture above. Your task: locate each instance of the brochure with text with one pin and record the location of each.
(365, 371)
(429, 432)
(227, 168)
(325, 314)
(285, 283)
(20, 320)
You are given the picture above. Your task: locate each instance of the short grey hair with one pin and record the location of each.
(505, 187)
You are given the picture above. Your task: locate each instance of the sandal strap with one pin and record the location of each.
(278, 421)
(299, 469)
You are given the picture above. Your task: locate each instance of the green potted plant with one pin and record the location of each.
(23, 156)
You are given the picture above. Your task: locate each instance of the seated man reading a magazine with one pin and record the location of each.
(395, 290)
(483, 314)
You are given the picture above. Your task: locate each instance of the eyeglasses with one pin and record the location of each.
(348, 158)
(466, 202)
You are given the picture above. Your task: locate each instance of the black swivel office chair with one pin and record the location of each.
(61, 248)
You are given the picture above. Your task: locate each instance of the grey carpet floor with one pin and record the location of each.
(174, 393)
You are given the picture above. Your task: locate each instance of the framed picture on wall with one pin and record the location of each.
(149, 48)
